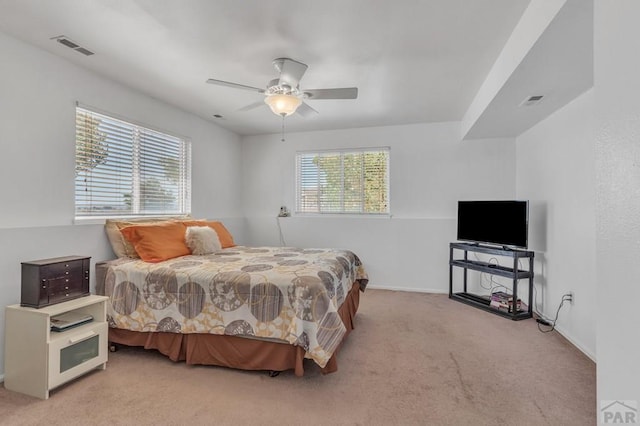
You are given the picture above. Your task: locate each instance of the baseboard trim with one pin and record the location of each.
(577, 344)
(409, 289)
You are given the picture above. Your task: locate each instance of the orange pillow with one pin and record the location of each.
(120, 245)
(157, 242)
(226, 240)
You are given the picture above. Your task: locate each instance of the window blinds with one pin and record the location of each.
(345, 181)
(123, 169)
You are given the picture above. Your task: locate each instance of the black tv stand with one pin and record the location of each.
(512, 272)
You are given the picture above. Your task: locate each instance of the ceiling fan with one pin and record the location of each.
(283, 94)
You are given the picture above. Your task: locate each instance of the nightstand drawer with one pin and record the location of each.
(76, 351)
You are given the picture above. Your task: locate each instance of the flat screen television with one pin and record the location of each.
(503, 223)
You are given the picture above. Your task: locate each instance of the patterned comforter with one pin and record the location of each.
(283, 294)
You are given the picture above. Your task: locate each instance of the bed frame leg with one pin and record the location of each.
(274, 373)
(113, 347)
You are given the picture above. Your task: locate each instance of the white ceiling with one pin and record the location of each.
(412, 60)
(559, 67)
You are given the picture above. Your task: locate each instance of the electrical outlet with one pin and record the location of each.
(570, 297)
(284, 212)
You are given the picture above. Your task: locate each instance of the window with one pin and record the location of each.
(345, 181)
(123, 169)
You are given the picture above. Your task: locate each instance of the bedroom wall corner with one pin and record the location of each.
(555, 172)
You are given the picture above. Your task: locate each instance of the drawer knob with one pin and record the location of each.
(66, 288)
(66, 273)
(67, 295)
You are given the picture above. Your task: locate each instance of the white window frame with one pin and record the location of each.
(87, 212)
(342, 212)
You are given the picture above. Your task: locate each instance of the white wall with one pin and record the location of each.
(555, 172)
(431, 169)
(617, 151)
(38, 92)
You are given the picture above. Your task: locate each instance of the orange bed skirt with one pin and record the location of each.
(232, 351)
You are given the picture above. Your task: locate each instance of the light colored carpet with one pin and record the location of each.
(413, 359)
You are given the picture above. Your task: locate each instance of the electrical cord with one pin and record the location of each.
(543, 322)
(282, 241)
(493, 285)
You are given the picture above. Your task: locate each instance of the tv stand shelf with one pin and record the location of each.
(511, 272)
(491, 268)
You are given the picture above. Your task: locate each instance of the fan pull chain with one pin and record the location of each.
(282, 128)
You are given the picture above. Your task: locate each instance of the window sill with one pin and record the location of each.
(101, 220)
(89, 220)
(342, 216)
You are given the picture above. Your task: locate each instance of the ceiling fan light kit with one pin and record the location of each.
(282, 104)
(283, 94)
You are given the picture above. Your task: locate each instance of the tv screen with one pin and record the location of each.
(503, 223)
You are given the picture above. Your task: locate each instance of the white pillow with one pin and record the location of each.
(202, 240)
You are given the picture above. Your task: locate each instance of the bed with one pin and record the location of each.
(251, 308)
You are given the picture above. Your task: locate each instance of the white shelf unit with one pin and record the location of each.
(38, 359)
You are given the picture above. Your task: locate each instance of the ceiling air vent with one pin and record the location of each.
(64, 40)
(532, 100)
(68, 43)
(84, 51)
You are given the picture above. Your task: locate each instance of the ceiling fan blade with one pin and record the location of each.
(341, 93)
(254, 105)
(234, 85)
(305, 110)
(290, 71)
